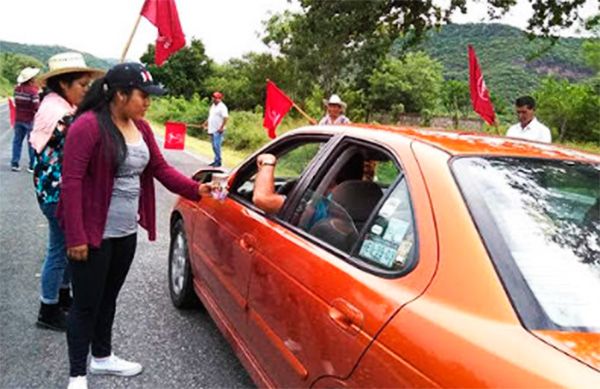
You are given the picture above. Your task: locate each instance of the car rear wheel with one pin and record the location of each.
(180, 272)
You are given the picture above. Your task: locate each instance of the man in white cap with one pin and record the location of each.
(27, 101)
(335, 111)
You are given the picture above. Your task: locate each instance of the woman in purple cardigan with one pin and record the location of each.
(110, 161)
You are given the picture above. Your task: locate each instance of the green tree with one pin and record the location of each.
(456, 99)
(339, 44)
(243, 80)
(185, 72)
(413, 83)
(591, 53)
(570, 109)
(12, 64)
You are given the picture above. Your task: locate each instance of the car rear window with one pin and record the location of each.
(540, 220)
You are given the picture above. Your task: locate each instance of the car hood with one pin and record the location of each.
(584, 346)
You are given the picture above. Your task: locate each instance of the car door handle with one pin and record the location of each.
(248, 243)
(346, 316)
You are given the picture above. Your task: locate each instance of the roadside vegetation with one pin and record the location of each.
(390, 61)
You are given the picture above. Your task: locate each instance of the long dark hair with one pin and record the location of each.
(53, 83)
(98, 99)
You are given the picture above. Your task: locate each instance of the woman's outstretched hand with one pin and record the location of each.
(78, 253)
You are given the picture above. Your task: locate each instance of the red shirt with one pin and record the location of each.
(27, 101)
(88, 178)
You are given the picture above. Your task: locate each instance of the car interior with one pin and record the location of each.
(339, 205)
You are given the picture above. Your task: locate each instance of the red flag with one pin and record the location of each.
(277, 105)
(12, 112)
(480, 96)
(175, 135)
(163, 14)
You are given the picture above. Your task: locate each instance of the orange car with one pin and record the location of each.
(402, 258)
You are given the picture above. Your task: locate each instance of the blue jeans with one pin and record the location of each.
(217, 140)
(55, 270)
(22, 131)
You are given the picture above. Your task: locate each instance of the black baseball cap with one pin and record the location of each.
(133, 75)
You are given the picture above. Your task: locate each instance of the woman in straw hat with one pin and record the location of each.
(335, 111)
(66, 83)
(111, 160)
(27, 100)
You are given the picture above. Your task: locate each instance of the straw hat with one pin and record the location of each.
(335, 100)
(68, 63)
(27, 74)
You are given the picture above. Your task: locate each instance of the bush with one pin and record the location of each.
(193, 111)
(244, 131)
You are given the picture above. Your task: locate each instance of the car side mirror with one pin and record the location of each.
(204, 175)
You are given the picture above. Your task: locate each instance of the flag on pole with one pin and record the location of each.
(12, 112)
(480, 95)
(163, 14)
(277, 105)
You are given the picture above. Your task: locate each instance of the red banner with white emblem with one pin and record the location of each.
(480, 96)
(163, 14)
(277, 105)
(175, 135)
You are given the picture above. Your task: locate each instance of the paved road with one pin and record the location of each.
(178, 349)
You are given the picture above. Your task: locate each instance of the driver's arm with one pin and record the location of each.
(264, 196)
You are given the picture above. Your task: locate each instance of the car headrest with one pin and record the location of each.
(358, 198)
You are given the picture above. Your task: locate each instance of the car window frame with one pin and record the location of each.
(352, 257)
(277, 148)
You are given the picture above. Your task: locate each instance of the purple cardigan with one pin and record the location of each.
(88, 179)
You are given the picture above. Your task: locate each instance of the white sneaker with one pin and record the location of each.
(114, 365)
(79, 382)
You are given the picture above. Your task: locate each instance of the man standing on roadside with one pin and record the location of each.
(217, 119)
(27, 101)
(528, 128)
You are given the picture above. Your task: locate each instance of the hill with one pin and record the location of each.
(512, 63)
(43, 52)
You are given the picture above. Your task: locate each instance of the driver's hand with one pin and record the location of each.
(268, 159)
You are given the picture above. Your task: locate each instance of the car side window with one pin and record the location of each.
(291, 163)
(389, 239)
(338, 204)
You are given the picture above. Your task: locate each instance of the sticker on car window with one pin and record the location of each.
(378, 252)
(389, 207)
(396, 229)
(377, 229)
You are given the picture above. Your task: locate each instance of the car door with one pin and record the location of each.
(315, 305)
(224, 239)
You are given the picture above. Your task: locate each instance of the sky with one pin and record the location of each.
(228, 28)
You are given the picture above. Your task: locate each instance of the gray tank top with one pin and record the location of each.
(124, 204)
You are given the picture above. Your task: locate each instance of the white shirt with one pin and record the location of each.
(535, 131)
(339, 120)
(216, 114)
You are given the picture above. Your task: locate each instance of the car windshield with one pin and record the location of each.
(543, 217)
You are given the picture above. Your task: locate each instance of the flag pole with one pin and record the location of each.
(137, 23)
(310, 120)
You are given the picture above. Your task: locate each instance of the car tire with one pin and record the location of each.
(181, 286)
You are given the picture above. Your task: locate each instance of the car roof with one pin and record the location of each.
(459, 143)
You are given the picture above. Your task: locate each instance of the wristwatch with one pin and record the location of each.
(263, 163)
